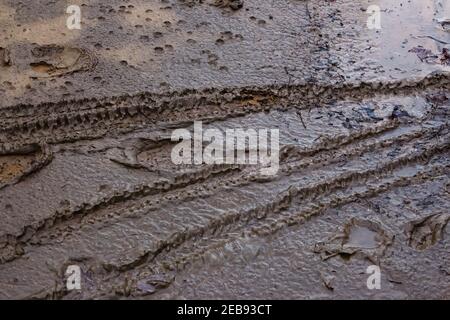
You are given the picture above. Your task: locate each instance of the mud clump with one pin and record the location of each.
(445, 57)
(444, 23)
(439, 99)
(5, 57)
(151, 284)
(231, 4)
(426, 232)
(426, 55)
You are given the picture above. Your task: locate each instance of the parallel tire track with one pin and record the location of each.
(87, 119)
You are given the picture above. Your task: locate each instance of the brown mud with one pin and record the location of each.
(86, 176)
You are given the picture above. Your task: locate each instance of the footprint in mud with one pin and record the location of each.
(358, 237)
(427, 231)
(53, 60)
(15, 166)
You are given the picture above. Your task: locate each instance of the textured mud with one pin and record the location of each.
(86, 176)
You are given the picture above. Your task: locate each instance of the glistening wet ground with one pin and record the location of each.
(86, 176)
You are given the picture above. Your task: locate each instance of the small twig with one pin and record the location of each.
(301, 118)
(433, 38)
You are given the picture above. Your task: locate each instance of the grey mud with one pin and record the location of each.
(86, 176)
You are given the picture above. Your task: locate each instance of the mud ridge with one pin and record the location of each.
(283, 201)
(42, 231)
(312, 209)
(194, 248)
(83, 115)
(68, 215)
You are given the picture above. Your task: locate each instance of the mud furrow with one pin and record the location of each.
(183, 180)
(67, 222)
(282, 202)
(69, 216)
(191, 99)
(174, 258)
(127, 114)
(198, 185)
(359, 103)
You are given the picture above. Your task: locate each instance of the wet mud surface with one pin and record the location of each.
(86, 176)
